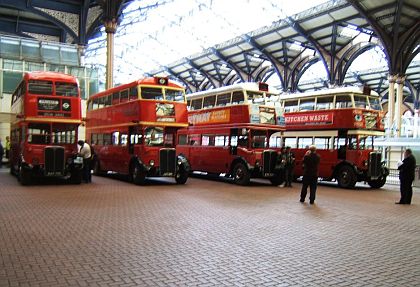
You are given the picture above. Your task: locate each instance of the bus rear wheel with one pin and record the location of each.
(241, 174)
(138, 175)
(346, 177)
(378, 183)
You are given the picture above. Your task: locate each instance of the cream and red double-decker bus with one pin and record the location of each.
(132, 129)
(342, 123)
(230, 132)
(47, 113)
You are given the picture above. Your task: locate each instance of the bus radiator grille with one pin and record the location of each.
(167, 162)
(375, 163)
(54, 161)
(269, 162)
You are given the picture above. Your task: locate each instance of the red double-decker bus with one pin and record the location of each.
(47, 113)
(342, 123)
(230, 132)
(132, 129)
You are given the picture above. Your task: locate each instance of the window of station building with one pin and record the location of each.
(238, 97)
(307, 104)
(360, 101)
(174, 95)
(322, 142)
(221, 140)
(115, 98)
(124, 96)
(197, 104)
(291, 106)
(134, 93)
(255, 97)
(39, 87)
(324, 103)
(151, 93)
(375, 103)
(209, 101)
(292, 142)
(183, 139)
(223, 99)
(305, 142)
(343, 101)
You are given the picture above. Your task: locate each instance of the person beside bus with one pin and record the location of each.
(407, 173)
(86, 154)
(310, 174)
(289, 164)
(7, 148)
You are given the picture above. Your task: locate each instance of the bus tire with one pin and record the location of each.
(181, 176)
(346, 177)
(277, 179)
(378, 183)
(241, 175)
(97, 168)
(76, 177)
(24, 176)
(138, 176)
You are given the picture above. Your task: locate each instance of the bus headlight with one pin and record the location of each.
(257, 163)
(151, 162)
(365, 163)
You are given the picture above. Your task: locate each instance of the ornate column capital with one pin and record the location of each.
(401, 79)
(392, 78)
(111, 25)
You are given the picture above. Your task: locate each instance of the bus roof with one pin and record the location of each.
(52, 76)
(328, 92)
(249, 86)
(152, 81)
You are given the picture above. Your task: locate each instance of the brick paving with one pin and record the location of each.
(204, 233)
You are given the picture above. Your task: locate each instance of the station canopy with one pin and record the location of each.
(211, 43)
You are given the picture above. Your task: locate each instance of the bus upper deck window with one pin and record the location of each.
(115, 98)
(223, 99)
(324, 103)
(197, 104)
(238, 97)
(151, 93)
(291, 106)
(66, 89)
(40, 87)
(134, 95)
(375, 103)
(255, 98)
(360, 102)
(209, 101)
(174, 95)
(343, 101)
(124, 96)
(307, 105)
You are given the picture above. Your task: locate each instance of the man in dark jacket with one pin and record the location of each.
(310, 174)
(407, 172)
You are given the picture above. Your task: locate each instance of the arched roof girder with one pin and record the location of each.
(324, 55)
(244, 77)
(277, 66)
(260, 75)
(348, 58)
(300, 69)
(175, 75)
(398, 46)
(204, 73)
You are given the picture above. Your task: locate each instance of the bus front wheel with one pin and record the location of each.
(241, 174)
(378, 183)
(346, 177)
(138, 175)
(181, 176)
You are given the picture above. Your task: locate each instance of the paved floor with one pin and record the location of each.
(204, 233)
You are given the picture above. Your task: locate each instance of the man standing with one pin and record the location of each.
(85, 152)
(289, 164)
(310, 174)
(7, 148)
(1, 154)
(407, 174)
